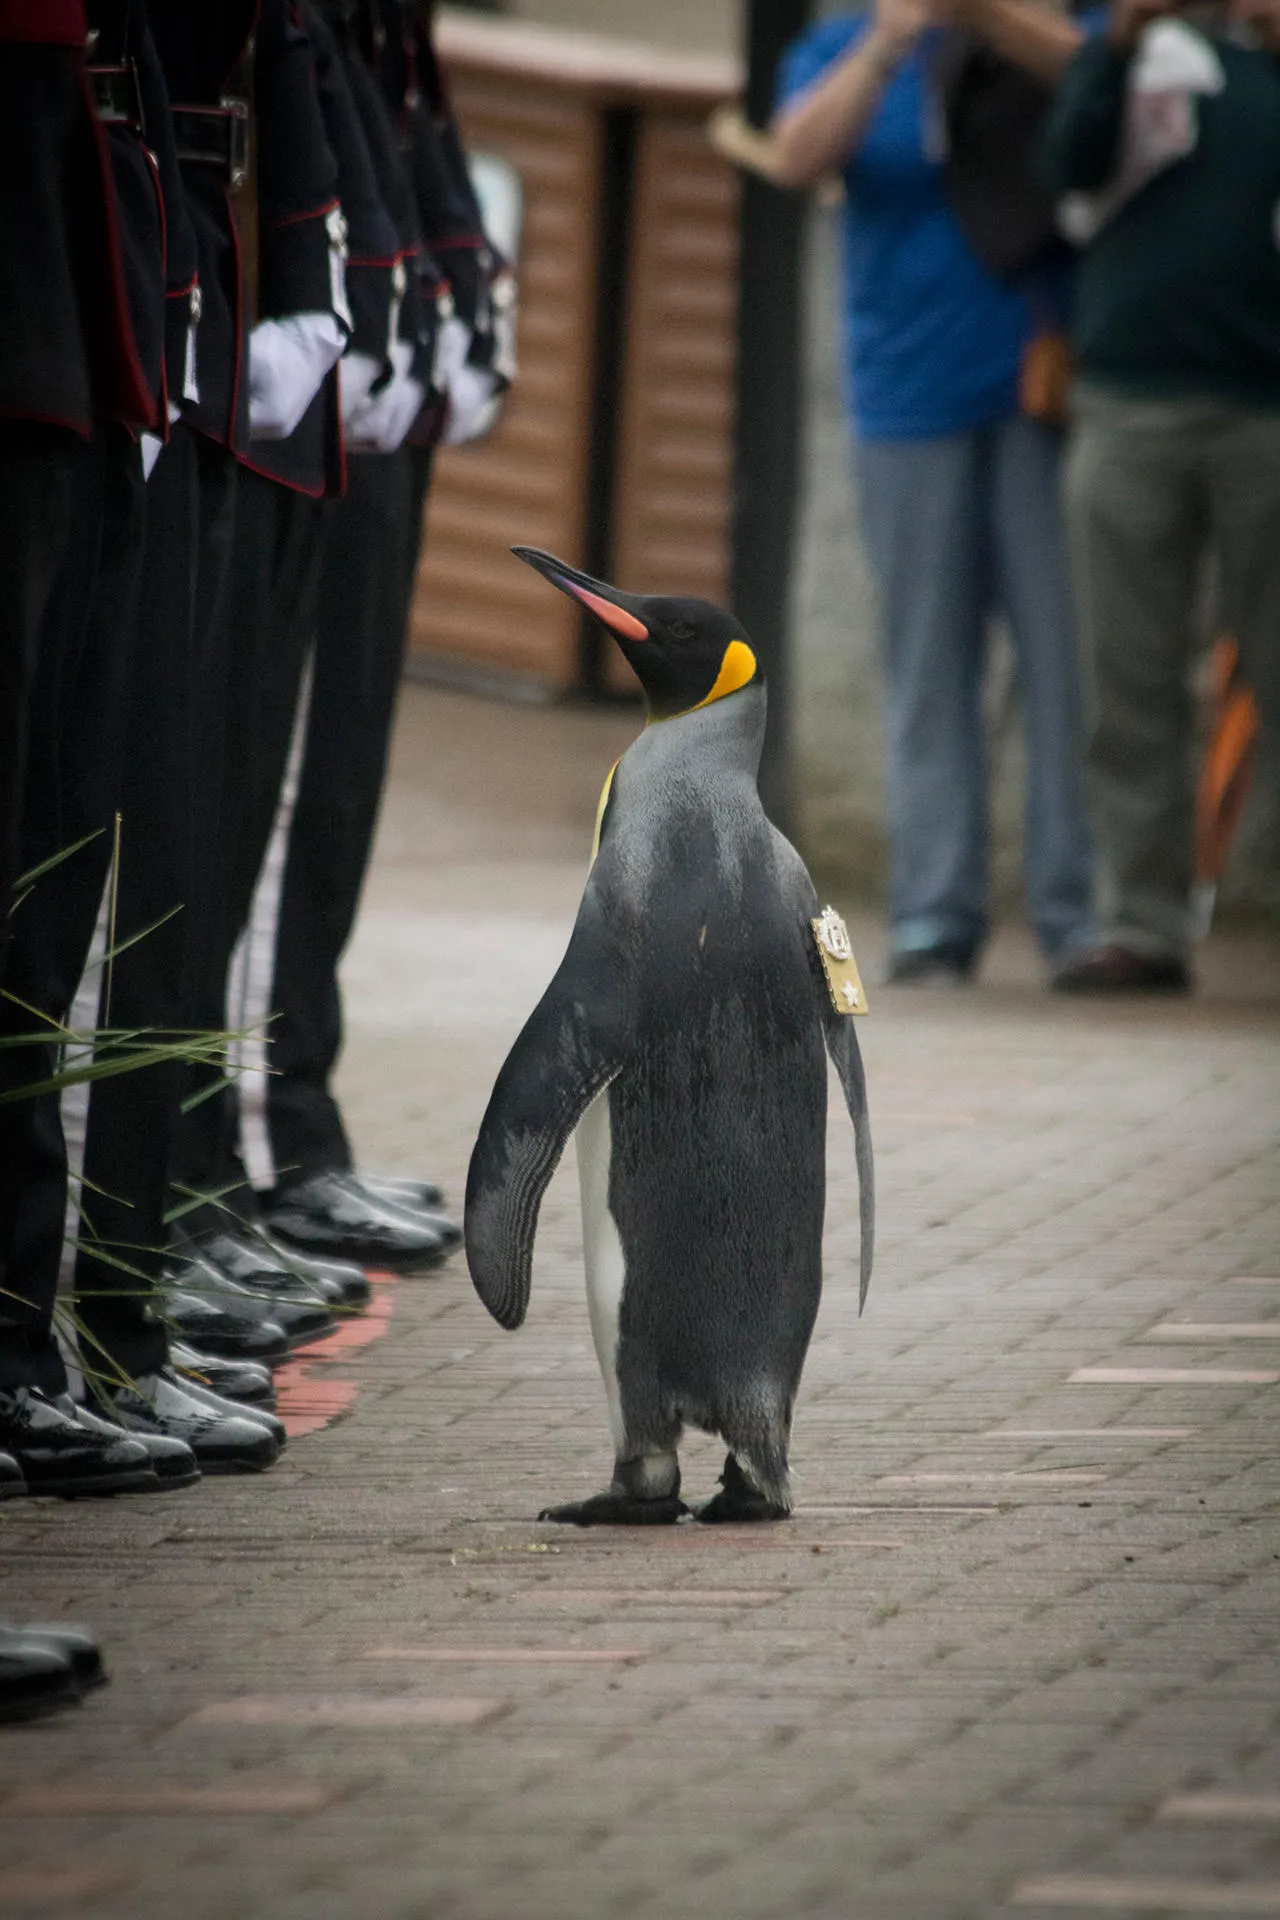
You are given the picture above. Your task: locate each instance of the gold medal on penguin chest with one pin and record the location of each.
(835, 951)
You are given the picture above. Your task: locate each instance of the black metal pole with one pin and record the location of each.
(767, 437)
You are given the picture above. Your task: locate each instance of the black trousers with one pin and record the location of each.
(36, 464)
(168, 800)
(78, 723)
(421, 462)
(274, 583)
(370, 554)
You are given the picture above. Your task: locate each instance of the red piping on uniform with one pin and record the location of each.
(294, 219)
(321, 492)
(83, 428)
(141, 402)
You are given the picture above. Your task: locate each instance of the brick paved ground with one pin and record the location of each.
(1022, 1631)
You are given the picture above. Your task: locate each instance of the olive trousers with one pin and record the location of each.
(1173, 510)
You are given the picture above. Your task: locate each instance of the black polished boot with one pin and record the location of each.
(217, 1403)
(240, 1380)
(11, 1480)
(400, 1189)
(250, 1263)
(343, 1281)
(224, 1438)
(233, 1329)
(297, 1320)
(332, 1214)
(56, 1454)
(78, 1648)
(172, 1461)
(35, 1679)
(409, 1197)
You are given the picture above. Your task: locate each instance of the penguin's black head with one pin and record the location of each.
(686, 653)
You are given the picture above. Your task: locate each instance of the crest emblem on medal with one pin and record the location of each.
(833, 934)
(835, 950)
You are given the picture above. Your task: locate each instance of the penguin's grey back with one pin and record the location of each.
(718, 1116)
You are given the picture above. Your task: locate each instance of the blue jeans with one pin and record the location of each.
(956, 529)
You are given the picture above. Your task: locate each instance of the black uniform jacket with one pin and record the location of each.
(265, 243)
(449, 213)
(420, 282)
(157, 241)
(68, 351)
(373, 245)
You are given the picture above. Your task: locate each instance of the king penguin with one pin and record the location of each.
(685, 1038)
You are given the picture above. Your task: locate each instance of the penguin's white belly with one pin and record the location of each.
(602, 1249)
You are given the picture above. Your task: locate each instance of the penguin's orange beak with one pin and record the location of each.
(611, 608)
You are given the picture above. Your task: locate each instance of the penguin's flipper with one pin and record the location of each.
(842, 1045)
(571, 1047)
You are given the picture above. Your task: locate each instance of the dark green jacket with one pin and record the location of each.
(1179, 293)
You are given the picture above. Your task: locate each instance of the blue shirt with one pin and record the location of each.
(933, 342)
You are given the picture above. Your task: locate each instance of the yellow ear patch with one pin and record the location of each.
(737, 667)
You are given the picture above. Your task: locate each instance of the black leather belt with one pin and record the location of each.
(116, 95)
(215, 136)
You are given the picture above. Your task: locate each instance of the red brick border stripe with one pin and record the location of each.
(307, 1396)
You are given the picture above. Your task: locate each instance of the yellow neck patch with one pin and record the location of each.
(737, 667)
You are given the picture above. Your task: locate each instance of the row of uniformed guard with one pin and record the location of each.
(246, 288)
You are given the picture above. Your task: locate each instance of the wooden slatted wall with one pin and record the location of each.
(675, 446)
(538, 98)
(526, 484)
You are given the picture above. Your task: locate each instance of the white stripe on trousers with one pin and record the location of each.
(74, 1104)
(251, 981)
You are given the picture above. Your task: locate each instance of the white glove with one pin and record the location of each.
(452, 348)
(356, 374)
(382, 421)
(288, 360)
(472, 405)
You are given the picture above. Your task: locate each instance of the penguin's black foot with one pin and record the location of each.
(618, 1510)
(738, 1501)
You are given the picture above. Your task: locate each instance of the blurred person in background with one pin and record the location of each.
(958, 485)
(1164, 147)
(1167, 127)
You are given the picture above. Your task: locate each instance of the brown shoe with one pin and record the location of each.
(1117, 969)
